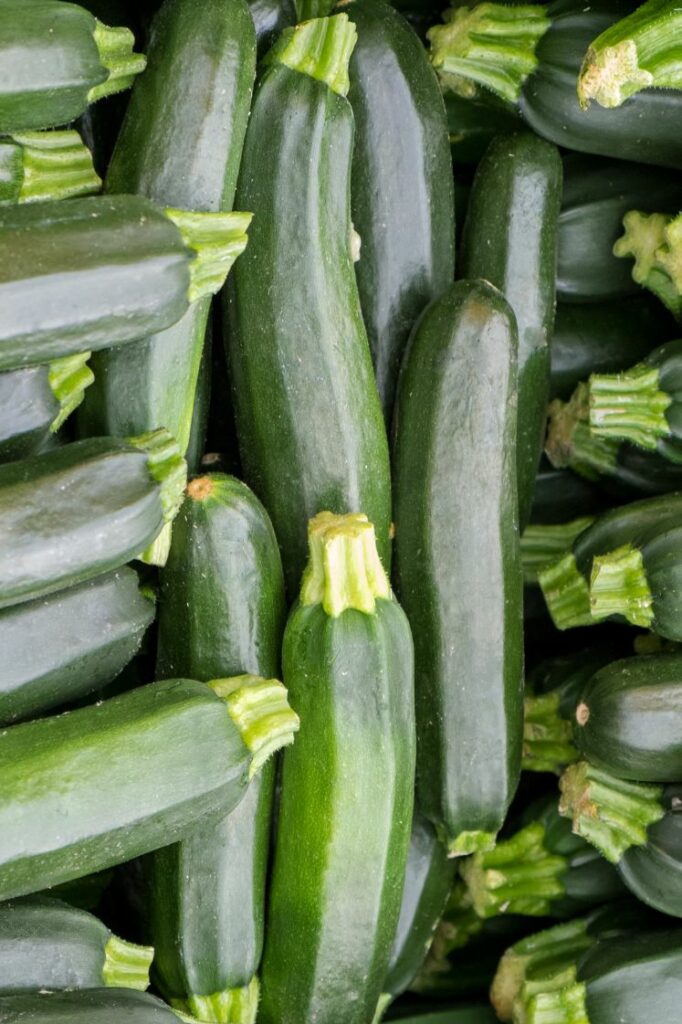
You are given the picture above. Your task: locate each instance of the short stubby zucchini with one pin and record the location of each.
(93, 1006)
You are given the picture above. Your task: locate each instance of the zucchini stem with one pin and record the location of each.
(566, 593)
(115, 47)
(344, 570)
(231, 1006)
(619, 586)
(562, 1005)
(547, 737)
(126, 965)
(167, 467)
(216, 239)
(69, 377)
(629, 406)
(321, 48)
(570, 441)
(260, 710)
(55, 165)
(541, 544)
(654, 241)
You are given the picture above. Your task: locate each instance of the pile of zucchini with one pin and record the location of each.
(340, 579)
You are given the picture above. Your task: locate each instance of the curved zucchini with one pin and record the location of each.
(61, 648)
(345, 813)
(311, 434)
(46, 944)
(200, 744)
(407, 255)
(95, 1006)
(39, 166)
(510, 239)
(458, 575)
(221, 613)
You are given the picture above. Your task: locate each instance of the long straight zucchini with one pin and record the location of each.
(46, 944)
(221, 613)
(311, 434)
(345, 812)
(55, 58)
(39, 166)
(60, 648)
(95, 1006)
(510, 240)
(458, 571)
(180, 145)
(73, 796)
(407, 255)
(99, 271)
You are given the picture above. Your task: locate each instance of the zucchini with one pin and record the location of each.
(55, 59)
(198, 431)
(71, 514)
(407, 255)
(200, 744)
(472, 125)
(269, 18)
(46, 944)
(221, 613)
(459, 575)
(36, 401)
(653, 873)
(653, 241)
(39, 166)
(531, 55)
(99, 271)
(510, 239)
(94, 1006)
(311, 434)
(560, 494)
(345, 812)
(61, 648)
(543, 543)
(457, 1015)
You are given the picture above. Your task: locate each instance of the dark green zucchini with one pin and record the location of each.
(74, 800)
(221, 613)
(407, 255)
(36, 401)
(510, 239)
(39, 166)
(560, 495)
(46, 944)
(472, 125)
(99, 271)
(198, 430)
(94, 1006)
(345, 813)
(61, 648)
(55, 59)
(654, 872)
(458, 575)
(269, 18)
(457, 1015)
(311, 434)
(85, 893)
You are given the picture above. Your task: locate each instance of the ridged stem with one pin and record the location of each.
(609, 813)
(126, 965)
(638, 52)
(115, 46)
(654, 241)
(260, 710)
(55, 165)
(542, 544)
(618, 586)
(566, 593)
(232, 1006)
(570, 441)
(519, 876)
(471, 841)
(565, 1005)
(383, 1003)
(547, 736)
(344, 569)
(320, 48)
(68, 378)
(217, 239)
(167, 467)
(629, 406)
(490, 44)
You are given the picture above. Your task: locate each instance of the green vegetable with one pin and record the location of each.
(75, 799)
(345, 813)
(311, 433)
(458, 574)
(473, 123)
(654, 872)
(38, 166)
(543, 543)
(653, 240)
(269, 18)
(457, 1015)
(510, 240)
(559, 494)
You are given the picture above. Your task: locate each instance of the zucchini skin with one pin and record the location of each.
(654, 872)
(510, 240)
(560, 495)
(126, 275)
(407, 255)
(309, 423)
(221, 613)
(623, 525)
(628, 975)
(28, 407)
(460, 576)
(350, 678)
(73, 513)
(269, 18)
(94, 1006)
(61, 648)
(473, 124)
(88, 763)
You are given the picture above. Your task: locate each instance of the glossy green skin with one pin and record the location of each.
(221, 613)
(269, 18)
(458, 575)
(560, 495)
(458, 1015)
(596, 196)
(97, 1006)
(49, 62)
(668, 361)
(71, 514)
(663, 570)
(635, 708)
(311, 433)
(629, 976)
(472, 125)
(196, 446)
(645, 129)
(640, 472)
(60, 648)
(603, 338)
(568, 674)
(27, 409)
(180, 145)
(86, 274)
(46, 944)
(654, 872)
(401, 150)
(111, 781)
(510, 240)
(345, 816)
(429, 878)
